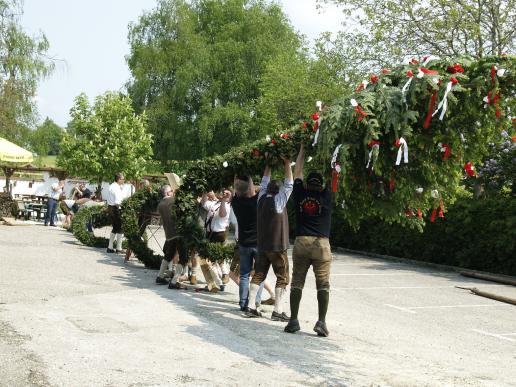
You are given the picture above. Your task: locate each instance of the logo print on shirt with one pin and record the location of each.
(311, 207)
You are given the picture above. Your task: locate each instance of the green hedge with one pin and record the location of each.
(475, 233)
(99, 216)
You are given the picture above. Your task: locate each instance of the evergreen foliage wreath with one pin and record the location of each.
(99, 216)
(446, 111)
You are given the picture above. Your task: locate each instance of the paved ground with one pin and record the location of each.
(75, 316)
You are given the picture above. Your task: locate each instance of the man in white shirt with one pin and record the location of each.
(115, 197)
(217, 221)
(56, 190)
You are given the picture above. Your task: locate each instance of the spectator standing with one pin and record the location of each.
(56, 189)
(114, 201)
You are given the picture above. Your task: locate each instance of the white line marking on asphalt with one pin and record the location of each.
(406, 310)
(395, 287)
(501, 337)
(381, 274)
(410, 309)
(457, 306)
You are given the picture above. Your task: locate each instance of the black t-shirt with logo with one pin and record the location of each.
(245, 211)
(313, 211)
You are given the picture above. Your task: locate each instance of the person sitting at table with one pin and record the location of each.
(80, 191)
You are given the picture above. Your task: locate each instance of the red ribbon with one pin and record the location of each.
(362, 114)
(441, 209)
(334, 180)
(409, 213)
(372, 143)
(316, 116)
(430, 110)
(429, 72)
(392, 184)
(419, 213)
(374, 78)
(456, 68)
(469, 169)
(447, 152)
(432, 217)
(284, 136)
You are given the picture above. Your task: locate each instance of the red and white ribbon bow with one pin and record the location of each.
(374, 145)
(362, 86)
(402, 151)
(443, 105)
(406, 86)
(317, 118)
(336, 168)
(446, 149)
(428, 59)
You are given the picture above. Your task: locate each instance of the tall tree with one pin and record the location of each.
(108, 137)
(23, 62)
(197, 68)
(46, 139)
(381, 32)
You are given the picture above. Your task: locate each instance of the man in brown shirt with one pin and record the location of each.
(272, 233)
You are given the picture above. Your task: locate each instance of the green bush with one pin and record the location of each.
(475, 234)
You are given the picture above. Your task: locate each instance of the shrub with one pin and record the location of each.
(475, 234)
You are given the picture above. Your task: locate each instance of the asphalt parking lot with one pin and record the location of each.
(71, 315)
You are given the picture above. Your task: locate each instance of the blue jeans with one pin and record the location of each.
(247, 257)
(51, 211)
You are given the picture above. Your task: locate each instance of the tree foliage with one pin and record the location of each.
(46, 139)
(108, 137)
(380, 33)
(215, 74)
(23, 62)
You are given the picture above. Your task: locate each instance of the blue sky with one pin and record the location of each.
(89, 37)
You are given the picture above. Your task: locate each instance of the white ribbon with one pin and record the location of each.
(405, 87)
(429, 59)
(375, 146)
(444, 102)
(402, 150)
(335, 155)
(353, 102)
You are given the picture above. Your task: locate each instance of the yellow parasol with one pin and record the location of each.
(12, 153)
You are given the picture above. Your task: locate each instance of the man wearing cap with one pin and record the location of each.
(313, 205)
(272, 240)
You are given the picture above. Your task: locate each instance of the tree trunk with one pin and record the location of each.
(98, 192)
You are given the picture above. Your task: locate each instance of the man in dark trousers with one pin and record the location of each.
(272, 227)
(313, 205)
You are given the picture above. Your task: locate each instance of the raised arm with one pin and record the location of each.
(225, 199)
(288, 169)
(265, 181)
(300, 162)
(251, 189)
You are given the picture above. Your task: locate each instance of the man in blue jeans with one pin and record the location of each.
(244, 207)
(56, 189)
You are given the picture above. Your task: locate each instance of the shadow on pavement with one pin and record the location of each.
(223, 324)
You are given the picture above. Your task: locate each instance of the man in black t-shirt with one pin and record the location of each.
(313, 206)
(244, 205)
